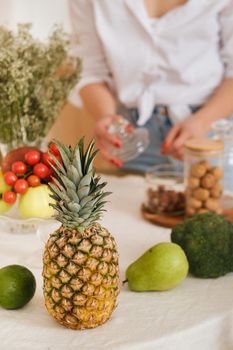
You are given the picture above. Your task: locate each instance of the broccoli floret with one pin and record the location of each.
(207, 240)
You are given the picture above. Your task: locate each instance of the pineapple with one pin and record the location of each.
(81, 272)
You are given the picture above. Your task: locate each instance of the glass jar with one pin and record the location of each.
(203, 171)
(223, 130)
(164, 193)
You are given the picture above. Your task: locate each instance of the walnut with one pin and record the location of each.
(198, 170)
(205, 164)
(161, 200)
(194, 203)
(203, 189)
(217, 172)
(208, 180)
(201, 194)
(217, 190)
(212, 204)
(193, 182)
(190, 211)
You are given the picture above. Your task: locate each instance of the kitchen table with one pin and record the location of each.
(198, 314)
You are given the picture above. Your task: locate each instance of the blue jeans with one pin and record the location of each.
(158, 126)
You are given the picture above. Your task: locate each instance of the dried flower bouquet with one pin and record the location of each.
(33, 83)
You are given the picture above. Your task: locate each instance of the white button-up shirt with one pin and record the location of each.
(177, 60)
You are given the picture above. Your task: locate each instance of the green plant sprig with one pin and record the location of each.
(31, 91)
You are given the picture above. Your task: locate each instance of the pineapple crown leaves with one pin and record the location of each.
(76, 189)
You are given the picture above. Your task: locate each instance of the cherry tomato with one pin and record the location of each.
(41, 170)
(19, 168)
(47, 159)
(10, 178)
(32, 157)
(59, 159)
(53, 149)
(55, 182)
(33, 180)
(9, 197)
(21, 186)
(51, 173)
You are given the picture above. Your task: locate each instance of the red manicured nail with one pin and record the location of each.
(129, 128)
(117, 144)
(165, 145)
(116, 162)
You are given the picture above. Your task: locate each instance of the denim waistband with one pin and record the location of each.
(161, 110)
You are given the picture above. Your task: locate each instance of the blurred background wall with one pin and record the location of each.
(42, 13)
(72, 123)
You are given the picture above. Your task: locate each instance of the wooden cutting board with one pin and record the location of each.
(172, 221)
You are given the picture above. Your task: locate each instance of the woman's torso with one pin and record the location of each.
(158, 8)
(172, 60)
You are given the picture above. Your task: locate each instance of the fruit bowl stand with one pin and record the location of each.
(196, 314)
(12, 222)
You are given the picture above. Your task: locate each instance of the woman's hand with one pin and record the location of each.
(193, 126)
(104, 138)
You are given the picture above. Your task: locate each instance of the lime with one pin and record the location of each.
(17, 286)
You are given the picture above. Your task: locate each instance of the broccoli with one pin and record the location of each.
(207, 240)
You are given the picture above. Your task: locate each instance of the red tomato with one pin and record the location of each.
(53, 149)
(32, 157)
(47, 159)
(51, 173)
(10, 178)
(59, 159)
(41, 170)
(21, 186)
(19, 168)
(9, 197)
(16, 154)
(55, 182)
(33, 180)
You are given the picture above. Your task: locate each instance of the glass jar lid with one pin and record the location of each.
(204, 145)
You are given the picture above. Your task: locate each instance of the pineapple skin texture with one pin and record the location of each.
(81, 276)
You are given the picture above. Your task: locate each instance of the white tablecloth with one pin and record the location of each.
(198, 314)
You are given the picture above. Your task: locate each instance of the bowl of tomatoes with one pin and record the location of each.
(24, 192)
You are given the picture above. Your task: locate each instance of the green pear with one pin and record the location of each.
(160, 268)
